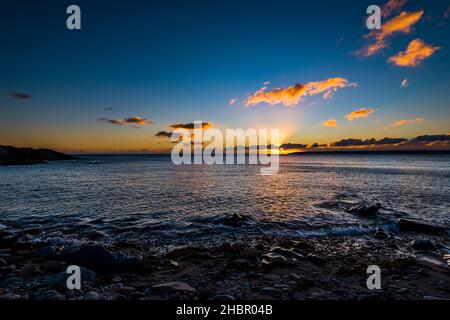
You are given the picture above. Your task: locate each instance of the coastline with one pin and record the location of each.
(274, 268)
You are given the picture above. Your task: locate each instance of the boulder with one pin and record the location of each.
(417, 225)
(365, 210)
(423, 245)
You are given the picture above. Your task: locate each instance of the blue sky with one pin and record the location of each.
(180, 61)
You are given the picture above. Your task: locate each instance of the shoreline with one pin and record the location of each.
(273, 268)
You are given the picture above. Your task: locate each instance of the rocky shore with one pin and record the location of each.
(26, 156)
(412, 261)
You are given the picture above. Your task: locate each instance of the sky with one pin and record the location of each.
(137, 68)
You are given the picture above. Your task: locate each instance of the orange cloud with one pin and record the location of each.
(403, 122)
(136, 120)
(391, 7)
(361, 113)
(399, 24)
(330, 123)
(189, 126)
(416, 52)
(292, 95)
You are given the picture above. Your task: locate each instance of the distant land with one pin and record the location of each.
(25, 156)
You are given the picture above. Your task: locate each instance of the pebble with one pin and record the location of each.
(91, 295)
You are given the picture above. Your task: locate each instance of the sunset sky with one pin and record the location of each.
(136, 68)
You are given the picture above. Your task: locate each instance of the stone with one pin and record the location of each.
(60, 280)
(423, 245)
(173, 287)
(223, 297)
(98, 258)
(50, 252)
(91, 295)
(365, 210)
(50, 295)
(417, 225)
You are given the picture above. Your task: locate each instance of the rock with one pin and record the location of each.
(223, 297)
(272, 260)
(432, 298)
(60, 280)
(91, 295)
(173, 287)
(423, 245)
(50, 252)
(94, 235)
(53, 265)
(11, 296)
(235, 220)
(11, 280)
(268, 290)
(380, 234)
(98, 258)
(365, 210)
(31, 270)
(316, 260)
(417, 225)
(3, 262)
(50, 295)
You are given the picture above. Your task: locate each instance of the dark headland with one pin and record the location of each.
(25, 156)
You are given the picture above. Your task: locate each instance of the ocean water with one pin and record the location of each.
(149, 200)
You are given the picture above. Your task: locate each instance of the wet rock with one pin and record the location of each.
(53, 265)
(432, 298)
(380, 234)
(60, 280)
(31, 270)
(423, 245)
(49, 295)
(11, 296)
(4, 253)
(223, 297)
(94, 235)
(317, 260)
(269, 290)
(417, 225)
(272, 260)
(98, 258)
(365, 210)
(50, 252)
(173, 287)
(235, 220)
(91, 295)
(11, 280)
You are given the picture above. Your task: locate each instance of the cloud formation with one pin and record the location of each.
(399, 24)
(292, 95)
(20, 95)
(330, 123)
(361, 113)
(391, 7)
(416, 52)
(291, 146)
(135, 120)
(164, 134)
(403, 122)
(367, 142)
(232, 101)
(190, 126)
